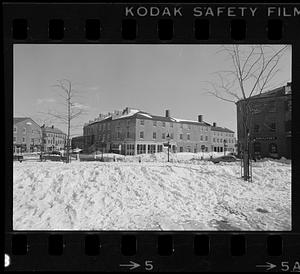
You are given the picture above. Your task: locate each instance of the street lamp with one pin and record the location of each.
(225, 145)
(168, 138)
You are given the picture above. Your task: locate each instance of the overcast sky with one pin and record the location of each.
(151, 78)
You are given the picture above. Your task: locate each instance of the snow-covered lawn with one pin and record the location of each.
(152, 195)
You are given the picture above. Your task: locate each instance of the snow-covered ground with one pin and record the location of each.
(186, 194)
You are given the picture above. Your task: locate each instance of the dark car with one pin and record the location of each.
(226, 158)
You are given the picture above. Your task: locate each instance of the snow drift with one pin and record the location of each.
(195, 195)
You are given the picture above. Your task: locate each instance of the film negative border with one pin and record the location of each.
(140, 250)
(154, 252)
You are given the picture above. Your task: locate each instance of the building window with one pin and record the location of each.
(154, 135)
(256, 128)
(24, 130)
(256, 147)
(272, 106)
(127, 135)
(180, 149)
(15, 138)
(288, 105)
(159, 148)
(188, 149)
(201, 137)
(142, 134)
(151, 149)
(272, 148)
(189, 126)
(15, 129)
(141, 149)
(181, 136)
(163, 124)
(206, 138)
(188, 137)
(288, 125)
(142, 122)
(154, 123)
(214, 140)
(23, 140)
(272, 127)
(164, 136)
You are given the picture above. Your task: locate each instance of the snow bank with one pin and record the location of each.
(150, 196)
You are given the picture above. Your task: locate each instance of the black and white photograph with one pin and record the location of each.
(111, 137)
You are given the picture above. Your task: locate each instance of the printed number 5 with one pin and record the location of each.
(285, 266)
(148, 265)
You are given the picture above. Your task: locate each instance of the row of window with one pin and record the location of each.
(171, 136)
(166, 124)
(272, 126)
(257, 108)
(141, 148)
(24, 130)
(56, 142)
(217, 140)
(226, 134)
(55, 135)
(33, 141)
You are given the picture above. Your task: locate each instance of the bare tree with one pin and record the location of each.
(72, 109)
(254, 68)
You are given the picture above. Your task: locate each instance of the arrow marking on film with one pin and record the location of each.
(267, 265)
(131, 266)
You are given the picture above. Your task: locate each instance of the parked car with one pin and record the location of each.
(226, 158)
(18, 157)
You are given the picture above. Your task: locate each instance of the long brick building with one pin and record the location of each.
(132, 131)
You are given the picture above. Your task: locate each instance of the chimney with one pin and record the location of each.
(214, 124)
(168, 113)
(200, 118)
(288, 88)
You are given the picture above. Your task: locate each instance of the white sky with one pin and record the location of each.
(152, 78)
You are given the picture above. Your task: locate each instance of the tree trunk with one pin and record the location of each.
(69, 122)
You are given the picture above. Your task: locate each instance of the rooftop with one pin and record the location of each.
(223, 129)
(135, 113)
(20, 119)
(280, 91)
(52, 130)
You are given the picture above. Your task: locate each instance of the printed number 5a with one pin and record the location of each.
(285, 266)
(148, 265)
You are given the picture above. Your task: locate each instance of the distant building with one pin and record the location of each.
(132, 131)
(270, 131)
(54, 139)
(77, 142)
(27, 135)
(222, 138)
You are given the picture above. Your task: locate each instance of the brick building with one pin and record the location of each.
(27, 135)
(131, 132)
(77, 142)
(270, 131)
(54, 139)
